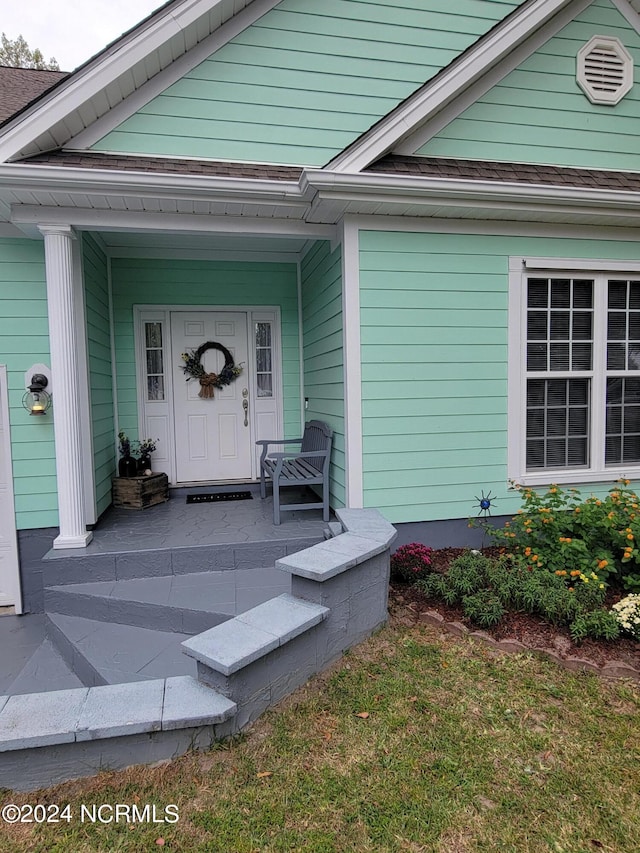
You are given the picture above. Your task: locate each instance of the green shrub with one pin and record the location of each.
(486, 589)
(599, 625)
(483, 607)
(560, 531)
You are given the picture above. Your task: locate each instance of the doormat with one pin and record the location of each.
(212, 497)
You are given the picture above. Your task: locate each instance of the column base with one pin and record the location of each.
(80, 541)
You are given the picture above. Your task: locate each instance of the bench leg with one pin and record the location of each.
(276, 502)
(325, 502)
(263, 485)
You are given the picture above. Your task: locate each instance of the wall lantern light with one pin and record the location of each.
(36, 400)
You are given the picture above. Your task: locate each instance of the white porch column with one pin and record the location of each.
(64, 371)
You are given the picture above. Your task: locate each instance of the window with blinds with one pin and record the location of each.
(582, 373)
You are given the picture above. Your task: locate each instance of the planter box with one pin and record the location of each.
(140, 492)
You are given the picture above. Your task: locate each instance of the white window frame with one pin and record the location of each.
(520, 269)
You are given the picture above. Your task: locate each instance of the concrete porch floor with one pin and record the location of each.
(177, 524)
(128, 625)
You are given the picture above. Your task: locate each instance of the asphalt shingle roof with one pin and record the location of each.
(518, 173)
(131, 163)
(19, 86)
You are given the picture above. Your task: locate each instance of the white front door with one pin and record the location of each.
(9, 570)
(212, 435)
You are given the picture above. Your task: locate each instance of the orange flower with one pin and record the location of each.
(534, 558)
(575, 573)
(527, 551)
(561, 573)
(629, 535)
(603, 563)
(528, 530)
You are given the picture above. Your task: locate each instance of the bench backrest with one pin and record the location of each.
(317, 436)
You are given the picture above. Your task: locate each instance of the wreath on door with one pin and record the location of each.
(208, 381)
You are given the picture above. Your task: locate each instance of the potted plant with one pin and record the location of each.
(145, 448)
(127, 466)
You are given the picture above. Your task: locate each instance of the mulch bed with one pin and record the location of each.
(532, 631)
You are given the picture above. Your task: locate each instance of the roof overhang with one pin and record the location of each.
(338, 194)
(164, 39)
(31, 195)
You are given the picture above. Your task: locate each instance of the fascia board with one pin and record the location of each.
(108, 182)
(170, 75)
(627, 11)
(462, 73)
(348, 186)
(80, 87)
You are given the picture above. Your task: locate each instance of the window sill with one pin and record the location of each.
(577, 476)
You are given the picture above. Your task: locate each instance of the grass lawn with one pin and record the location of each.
(413, 742)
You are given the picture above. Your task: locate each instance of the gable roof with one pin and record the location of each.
(20, 86)
(123, 67)
(467, 78)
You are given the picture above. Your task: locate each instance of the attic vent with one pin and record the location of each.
(605, 70)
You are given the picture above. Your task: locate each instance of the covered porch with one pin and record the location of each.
(126, 304)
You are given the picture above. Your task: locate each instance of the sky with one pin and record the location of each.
(72, 31)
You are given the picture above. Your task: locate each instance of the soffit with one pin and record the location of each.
(106, 80)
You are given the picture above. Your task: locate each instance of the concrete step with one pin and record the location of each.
(129, 561)
(106, 653)
(187, 604)
(45, 671)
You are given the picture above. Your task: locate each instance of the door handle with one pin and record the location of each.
(245, 406)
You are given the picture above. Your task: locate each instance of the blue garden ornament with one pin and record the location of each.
(485, 503)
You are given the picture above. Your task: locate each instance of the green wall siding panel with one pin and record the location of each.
(100, 375)
(216, 283)
(321, 275)
(24, 336)
(305, 80)
(538, 114)
(434, 379)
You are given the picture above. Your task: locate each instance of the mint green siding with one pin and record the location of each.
(24, 332)
(538, 114)
(434, 366)
(323, 352)
(305, 80)
(100, 379)
(202, 283)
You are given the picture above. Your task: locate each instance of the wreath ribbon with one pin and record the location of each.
(208, 383)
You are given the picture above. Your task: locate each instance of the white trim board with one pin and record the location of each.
(439, 119)
(162, 313)
(170, 75)
(516, 384)
(352, 364)
(8, 536)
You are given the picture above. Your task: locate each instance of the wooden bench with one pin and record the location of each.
(307, 467)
